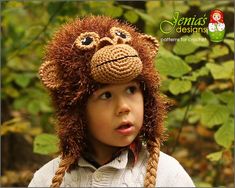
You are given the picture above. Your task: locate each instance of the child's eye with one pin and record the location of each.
(131, 89)
(106, 95)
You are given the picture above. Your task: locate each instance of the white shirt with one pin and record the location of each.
(118, 173)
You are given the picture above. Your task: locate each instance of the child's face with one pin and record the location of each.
(115, 114)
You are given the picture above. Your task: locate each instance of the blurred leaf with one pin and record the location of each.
(14, 4)
(225, 134)
(10, 91)
(208, 97)
(44, 106)
(180, 86)
(174, 118)
(202, 184)
(20, 64)
(35, 131)
(197, 57)
(220, 3)
(165, 53)
(33, 31)
(35, 92)
(153, 5)
(165, 84)
(228, 98)
(194, 3)
(224, 71)
(230, 35)
(214, 114)
(219, 50)
(52, 7)
(20, 102)
(194, 114)
(160, 10)
(131, 16)
(188, 44)
(15, 125)
(230, 9)
(207, 6)
(172, 66)
(184, 46)
(177, 6)
(192, 59)
(127, 7)
(145, 16)
(197, 73)
(22, 80)
(46, 144)
(33, 106)
(230, 43)
(215, 156)
(113, 11)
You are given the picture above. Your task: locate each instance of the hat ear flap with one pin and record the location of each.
(48, 73)
(152, 44)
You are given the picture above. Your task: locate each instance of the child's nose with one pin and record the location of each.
(122, 107)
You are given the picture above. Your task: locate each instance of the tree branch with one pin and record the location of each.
(183, 120)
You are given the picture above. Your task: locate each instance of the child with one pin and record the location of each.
(101, 76)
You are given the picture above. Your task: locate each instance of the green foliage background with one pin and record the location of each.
(197, 76)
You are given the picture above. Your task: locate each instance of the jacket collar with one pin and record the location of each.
(119, 159)
(119, 162)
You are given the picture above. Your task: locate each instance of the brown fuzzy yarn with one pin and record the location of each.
(59, 175)
(151, 169)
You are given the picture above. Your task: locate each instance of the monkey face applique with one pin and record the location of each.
(107, 51)
(114, 60)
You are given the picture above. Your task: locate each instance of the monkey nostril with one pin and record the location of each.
(105, 42)
(120, 41)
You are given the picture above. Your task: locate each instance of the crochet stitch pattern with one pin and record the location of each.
(83, 55)
(48, 76)
(115, 64)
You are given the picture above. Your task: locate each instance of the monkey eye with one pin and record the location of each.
(120, 33)
(87, 40)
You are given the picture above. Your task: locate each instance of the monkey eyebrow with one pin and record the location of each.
(116, 59)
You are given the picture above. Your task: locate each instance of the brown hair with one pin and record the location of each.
(72, 84)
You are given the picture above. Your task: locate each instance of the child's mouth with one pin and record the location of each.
(125, 128)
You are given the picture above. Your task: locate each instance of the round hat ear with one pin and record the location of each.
(153, 44)
(48, 73)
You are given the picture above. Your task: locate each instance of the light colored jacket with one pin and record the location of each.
(118, 173)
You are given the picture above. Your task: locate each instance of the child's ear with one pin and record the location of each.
(48, 73)
(152, 44)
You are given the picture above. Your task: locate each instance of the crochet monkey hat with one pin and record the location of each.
(83, 55)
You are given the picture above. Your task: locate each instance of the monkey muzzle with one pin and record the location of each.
(115, 64)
